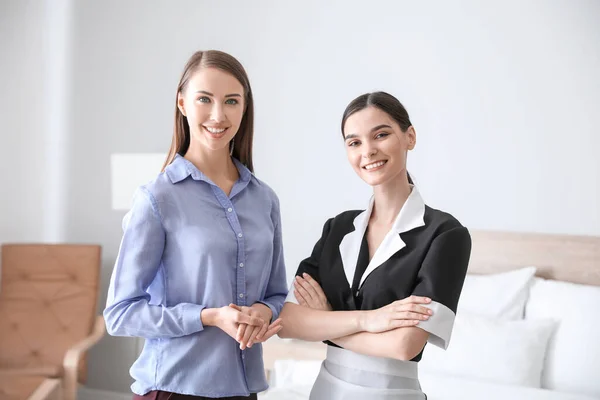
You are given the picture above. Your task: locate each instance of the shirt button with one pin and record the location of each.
(241, 265)
(229, 209)
(241, 295)
(240, 235)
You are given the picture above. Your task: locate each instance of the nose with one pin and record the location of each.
(217, 113)
(368, 150)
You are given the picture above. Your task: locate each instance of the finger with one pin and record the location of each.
(253, 338)
(277, 322)
(315, 285)
(259, 335)
(307, 297)
(415, 299)
(308, 287)
(298, 284)
(235, 306)
(271, 331)
(300, 298)
(414, 308)
(272, 327)
(244, 339)
(247, 335)
(410, 315)
(399, 323)
(248, 319)
(240, 332)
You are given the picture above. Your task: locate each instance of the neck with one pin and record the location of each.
(388, 200)
(215, 164)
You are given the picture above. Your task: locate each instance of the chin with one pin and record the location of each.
(372, 181)
(377, 180)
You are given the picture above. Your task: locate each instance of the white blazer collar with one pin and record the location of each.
(411, 216)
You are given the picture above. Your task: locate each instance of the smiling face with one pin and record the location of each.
(376, 146)
(213, 103)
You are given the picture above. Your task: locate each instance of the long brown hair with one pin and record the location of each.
(242, 141)
(386, 103)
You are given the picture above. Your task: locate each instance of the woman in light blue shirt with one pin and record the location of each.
(200, 272)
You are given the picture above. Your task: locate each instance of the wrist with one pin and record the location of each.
(209, 316)
(264, 310)
(361, 320)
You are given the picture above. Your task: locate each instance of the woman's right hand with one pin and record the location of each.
(401, 313)
(228, 320)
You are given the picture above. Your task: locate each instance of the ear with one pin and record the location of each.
(411, 135)
(180, 103)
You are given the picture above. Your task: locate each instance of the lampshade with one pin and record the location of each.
(128, 171)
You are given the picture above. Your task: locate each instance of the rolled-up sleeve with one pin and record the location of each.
(128, 312)
(441, 278)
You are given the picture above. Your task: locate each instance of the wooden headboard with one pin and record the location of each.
(559, 257)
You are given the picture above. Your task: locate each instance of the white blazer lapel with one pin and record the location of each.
(351, 243)
(410, 217)
(390, 245)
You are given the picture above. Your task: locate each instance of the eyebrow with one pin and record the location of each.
(227, 95)
(378, 127)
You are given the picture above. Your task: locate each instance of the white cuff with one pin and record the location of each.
(291, 297)
(439, 325)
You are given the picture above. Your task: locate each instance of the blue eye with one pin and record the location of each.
(231, 101)
(203, 99)
(382, 135)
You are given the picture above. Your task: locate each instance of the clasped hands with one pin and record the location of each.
(248, 325)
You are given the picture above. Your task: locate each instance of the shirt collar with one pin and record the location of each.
(181, 168)
(411, 214)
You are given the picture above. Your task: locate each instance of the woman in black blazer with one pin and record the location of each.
(382, 282)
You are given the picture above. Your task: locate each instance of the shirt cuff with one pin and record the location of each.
(191, 320)
(439, 325)
(274, 314)
(291, 297)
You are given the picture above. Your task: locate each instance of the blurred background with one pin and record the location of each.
(504, 96)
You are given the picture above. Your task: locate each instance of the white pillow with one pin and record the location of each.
(573, 359)
(500, 295)
(493, 350)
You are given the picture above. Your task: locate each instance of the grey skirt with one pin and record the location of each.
(346, 375)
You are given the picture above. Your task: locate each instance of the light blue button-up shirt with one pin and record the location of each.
(188, 246)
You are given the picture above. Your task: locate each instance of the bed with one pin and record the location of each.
(541, 292)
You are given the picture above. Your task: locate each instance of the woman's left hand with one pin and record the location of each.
(309, 293)
(248, 335)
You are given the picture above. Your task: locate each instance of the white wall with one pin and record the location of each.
(504, 99)
(21, 120)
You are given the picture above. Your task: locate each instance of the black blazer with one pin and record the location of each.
(426, 253)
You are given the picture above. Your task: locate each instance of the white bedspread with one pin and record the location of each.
(440, 387)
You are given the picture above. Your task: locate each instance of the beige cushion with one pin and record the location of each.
(47, 304)
(20, 387)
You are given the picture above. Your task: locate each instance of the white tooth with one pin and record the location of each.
(374, 165)
(215, 130)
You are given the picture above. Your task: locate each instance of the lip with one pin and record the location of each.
(215, 135)
(376, 168)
